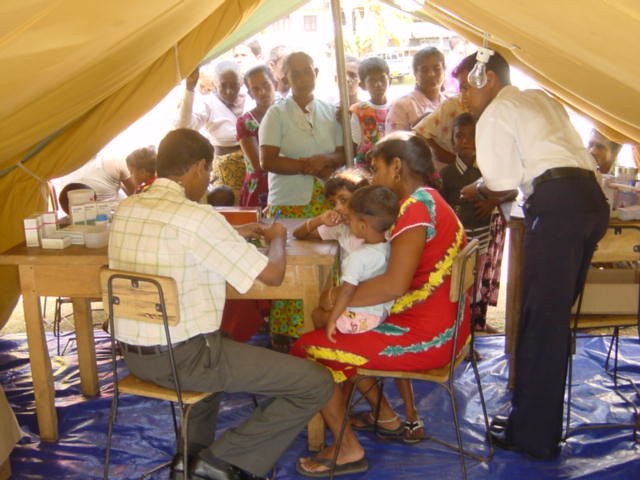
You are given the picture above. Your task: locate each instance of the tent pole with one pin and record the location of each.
(342, 82)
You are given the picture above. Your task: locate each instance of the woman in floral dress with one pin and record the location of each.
(260, 86)
(418, 333)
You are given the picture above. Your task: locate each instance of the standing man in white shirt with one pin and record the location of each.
(524, 140)
(164, 231)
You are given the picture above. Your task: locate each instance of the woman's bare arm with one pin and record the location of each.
(249, 147)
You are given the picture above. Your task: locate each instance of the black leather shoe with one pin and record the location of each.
(177, 466)
(201, 469)
(499, 439)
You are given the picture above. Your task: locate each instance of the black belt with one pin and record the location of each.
(561, 172)
(150, 349)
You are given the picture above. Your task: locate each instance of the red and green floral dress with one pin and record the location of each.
(418, 333)
(371, 122)
(255, 186)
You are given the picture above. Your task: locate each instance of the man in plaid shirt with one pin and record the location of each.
(164, 231)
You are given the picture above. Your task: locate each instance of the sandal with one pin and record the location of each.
(413, 431)
(368, 425)
(356, 466)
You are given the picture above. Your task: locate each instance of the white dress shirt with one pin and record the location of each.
(523, 133)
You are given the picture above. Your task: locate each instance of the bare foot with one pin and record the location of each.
(364, 420)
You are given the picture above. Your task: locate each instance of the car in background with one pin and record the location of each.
(399, 60)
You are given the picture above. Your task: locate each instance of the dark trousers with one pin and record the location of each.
(564, 220)
(296, 388)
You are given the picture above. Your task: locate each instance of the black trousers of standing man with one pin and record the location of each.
(564, 220)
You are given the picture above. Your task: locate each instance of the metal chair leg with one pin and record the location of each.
(112, 418)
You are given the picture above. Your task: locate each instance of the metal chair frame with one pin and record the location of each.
(613, 373)
(184, 408)
(466, 258)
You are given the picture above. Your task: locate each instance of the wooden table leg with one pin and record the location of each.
(514, 293)
(86, 346)
(41, 373)
(312, 288)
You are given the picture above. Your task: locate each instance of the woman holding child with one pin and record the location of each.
(417, 334)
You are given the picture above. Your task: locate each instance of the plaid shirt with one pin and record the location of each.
(161, 232)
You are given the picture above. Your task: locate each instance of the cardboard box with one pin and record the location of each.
(48, 221)
(240, 215)
(611, 291)
(32, 230)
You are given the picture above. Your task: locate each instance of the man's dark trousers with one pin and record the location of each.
(564, 220)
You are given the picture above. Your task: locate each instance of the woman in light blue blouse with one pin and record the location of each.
(300, 145)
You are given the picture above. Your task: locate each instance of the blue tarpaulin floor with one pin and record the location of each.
(143, 436)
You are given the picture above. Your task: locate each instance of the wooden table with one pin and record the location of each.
(73, 272)
(607, 251)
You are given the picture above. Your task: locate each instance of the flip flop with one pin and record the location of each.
(357, 466)
(413, 431)
(368, 425)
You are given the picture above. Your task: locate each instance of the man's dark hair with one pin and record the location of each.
(497, 64)
(376, 204)
(412, 150)
(257, 69)
(285, 64)
(350, 179)
(420, 55)
(146, 158)
(180, 149)
(371, 66)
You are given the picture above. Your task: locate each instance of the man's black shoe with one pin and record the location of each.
(499, 439)
(201, 469)
(177, 466)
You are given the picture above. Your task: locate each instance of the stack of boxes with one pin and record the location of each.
(88, 219)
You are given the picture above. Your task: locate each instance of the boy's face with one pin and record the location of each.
(140, 175)
(340, 201)
(464, 142)
(376, 84)
(601, 151)
(351, 69)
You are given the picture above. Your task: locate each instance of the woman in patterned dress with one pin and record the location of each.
(300, 145)
(418, 333)
(260, 86)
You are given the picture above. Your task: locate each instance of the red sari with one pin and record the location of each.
(418, 333)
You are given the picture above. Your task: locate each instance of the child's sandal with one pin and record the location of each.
(413, 431)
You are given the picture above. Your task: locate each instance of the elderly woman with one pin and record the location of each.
(408, 110)
(300, 145)
(217, 114)
(418, 333)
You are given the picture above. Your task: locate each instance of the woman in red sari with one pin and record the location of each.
(418, 333)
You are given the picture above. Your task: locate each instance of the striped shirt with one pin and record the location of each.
(161, 232)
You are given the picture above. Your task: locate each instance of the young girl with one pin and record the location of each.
(371, 212)
(331, 225)
(260, 86)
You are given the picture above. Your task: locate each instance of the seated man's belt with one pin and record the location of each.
(151, 349)
(561, 172)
